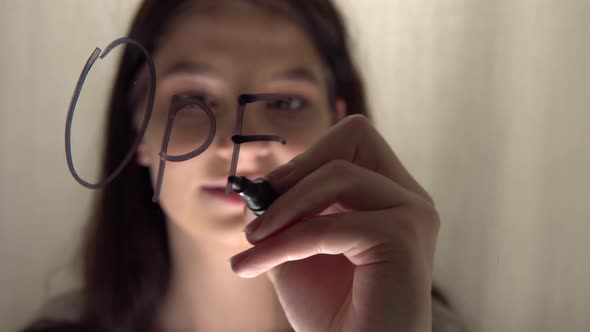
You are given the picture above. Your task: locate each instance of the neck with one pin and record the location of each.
(205, 295)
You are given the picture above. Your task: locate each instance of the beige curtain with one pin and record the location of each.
(486, 102)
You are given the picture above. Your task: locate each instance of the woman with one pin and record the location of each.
(163, 266)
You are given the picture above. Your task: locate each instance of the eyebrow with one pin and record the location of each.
(191, 68)
(297, 73)
(175, 69)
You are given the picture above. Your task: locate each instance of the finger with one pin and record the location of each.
(352, 139)
(325, 234)
(338, 181)
(249, 216)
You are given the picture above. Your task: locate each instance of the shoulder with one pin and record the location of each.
(63, 307)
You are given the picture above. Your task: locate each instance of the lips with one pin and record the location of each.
(219, 185)
(222, 182)
(215, 189)
(219, 194)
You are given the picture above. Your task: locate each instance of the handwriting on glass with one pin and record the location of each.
(177, 104)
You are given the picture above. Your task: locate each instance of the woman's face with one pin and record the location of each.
(218, 53)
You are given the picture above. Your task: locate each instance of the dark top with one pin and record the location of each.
(66, 307)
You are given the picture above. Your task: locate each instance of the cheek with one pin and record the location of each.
(156, 125)
(298, 144)
(312, 130)
(178, 191)
(151, 145)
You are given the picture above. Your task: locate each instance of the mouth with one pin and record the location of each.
(218, 194)
(215, 189)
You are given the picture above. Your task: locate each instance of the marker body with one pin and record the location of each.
(257, 194)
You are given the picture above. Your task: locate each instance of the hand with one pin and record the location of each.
(374, 271)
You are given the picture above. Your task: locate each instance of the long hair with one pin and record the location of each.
(126, 264)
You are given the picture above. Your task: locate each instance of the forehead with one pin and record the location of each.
(239, 41)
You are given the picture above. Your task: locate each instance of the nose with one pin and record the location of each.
(227, 126)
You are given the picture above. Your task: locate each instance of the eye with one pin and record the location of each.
(292, 104)
(206, 99)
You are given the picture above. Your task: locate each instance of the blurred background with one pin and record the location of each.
(485, 102)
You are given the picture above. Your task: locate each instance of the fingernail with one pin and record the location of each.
(252, 226)
(239, 257)
(281, 172)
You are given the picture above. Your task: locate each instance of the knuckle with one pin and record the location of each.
(358, 123)
(415, 223)
(338, 167)
(427, 213)
(428, 198)
(407, 231)
(361, 126)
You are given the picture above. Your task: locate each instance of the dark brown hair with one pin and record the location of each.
(125, 256)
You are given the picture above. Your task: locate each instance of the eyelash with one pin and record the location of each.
(296, 103)
(300, 103)
(207, 100)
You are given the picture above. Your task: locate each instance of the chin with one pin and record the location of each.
(235, 240)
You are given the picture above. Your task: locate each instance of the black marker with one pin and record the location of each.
(258, 194)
